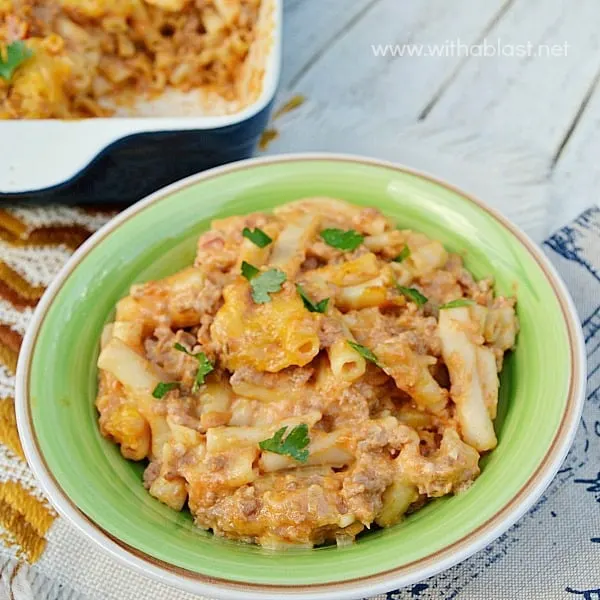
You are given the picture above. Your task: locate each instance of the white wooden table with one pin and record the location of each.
(549, 106)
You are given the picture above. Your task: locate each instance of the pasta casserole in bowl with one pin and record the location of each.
(313, 375)
(304, 392)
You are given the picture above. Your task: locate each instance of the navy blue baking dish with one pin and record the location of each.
(120, 160)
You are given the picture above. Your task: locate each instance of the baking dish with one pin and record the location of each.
(124, 158)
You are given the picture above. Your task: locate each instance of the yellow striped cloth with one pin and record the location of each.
(34, 243)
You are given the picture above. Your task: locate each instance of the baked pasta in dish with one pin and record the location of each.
(317, 371)
(82, 58)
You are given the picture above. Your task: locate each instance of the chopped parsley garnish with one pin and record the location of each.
(365, 352)
(293, 445)
(342, 240)
(457, 303)
(249, 271)
(413, 294)
(15, 55)
(263, 284)
(162, 388)
(319, 307)
(204, 365)
(258, 237)
(266, 283)
(404, 254)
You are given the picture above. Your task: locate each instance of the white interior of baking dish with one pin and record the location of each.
(39, 154)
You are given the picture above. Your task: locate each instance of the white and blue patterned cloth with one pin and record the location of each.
(553, 552)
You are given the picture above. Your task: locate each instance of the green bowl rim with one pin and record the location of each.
(379, 582)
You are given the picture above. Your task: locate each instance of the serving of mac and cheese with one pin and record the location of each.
(64, 59)
(315, 372)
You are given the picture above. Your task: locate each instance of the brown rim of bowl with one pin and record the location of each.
(570, 412)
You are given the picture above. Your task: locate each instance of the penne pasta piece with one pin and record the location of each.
(389, 243)
(397, 498)
(354, 295)
(416, 419)
(239, 467)
(215, 419)
(411, 373)
(253, 254)
(120, 418)
(426, 255)
(250, 253)
(255, 391)
(186, 436)
(242, 413)
(365, 295)
(479, 315)
(427, 258)
(107, 333)
(346, 363)
(128, 310)
(325, 450)
(220, 439)
(140, 378)
(501, 327)
(354, 272)
(467, 391)
(326, 383)
(169, 489)
(488, 377)
(126, 426)
(289, 250)
(215, 397)
(132, 370)
(227, 469)
(131, 333)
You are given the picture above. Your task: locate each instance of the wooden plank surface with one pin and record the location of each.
(348, 82)
(359, 102)
(534, 98)
(576, 176)
(310, 27)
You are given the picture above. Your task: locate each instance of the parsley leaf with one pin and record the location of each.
(249, 271)
(414, 295)
(204, 365)
(266, 283)
(16, 54)
(293, 445)
(342, 240)
(162, 388)
(258, 237)
(404, 254)
(457, 303)
(319, 307)
(204, 368)
(365, 352)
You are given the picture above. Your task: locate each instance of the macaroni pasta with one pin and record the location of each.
(84, 58)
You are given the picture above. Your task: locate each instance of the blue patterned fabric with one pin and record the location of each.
(553, 552)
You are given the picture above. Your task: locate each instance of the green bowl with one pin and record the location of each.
(90, 484)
